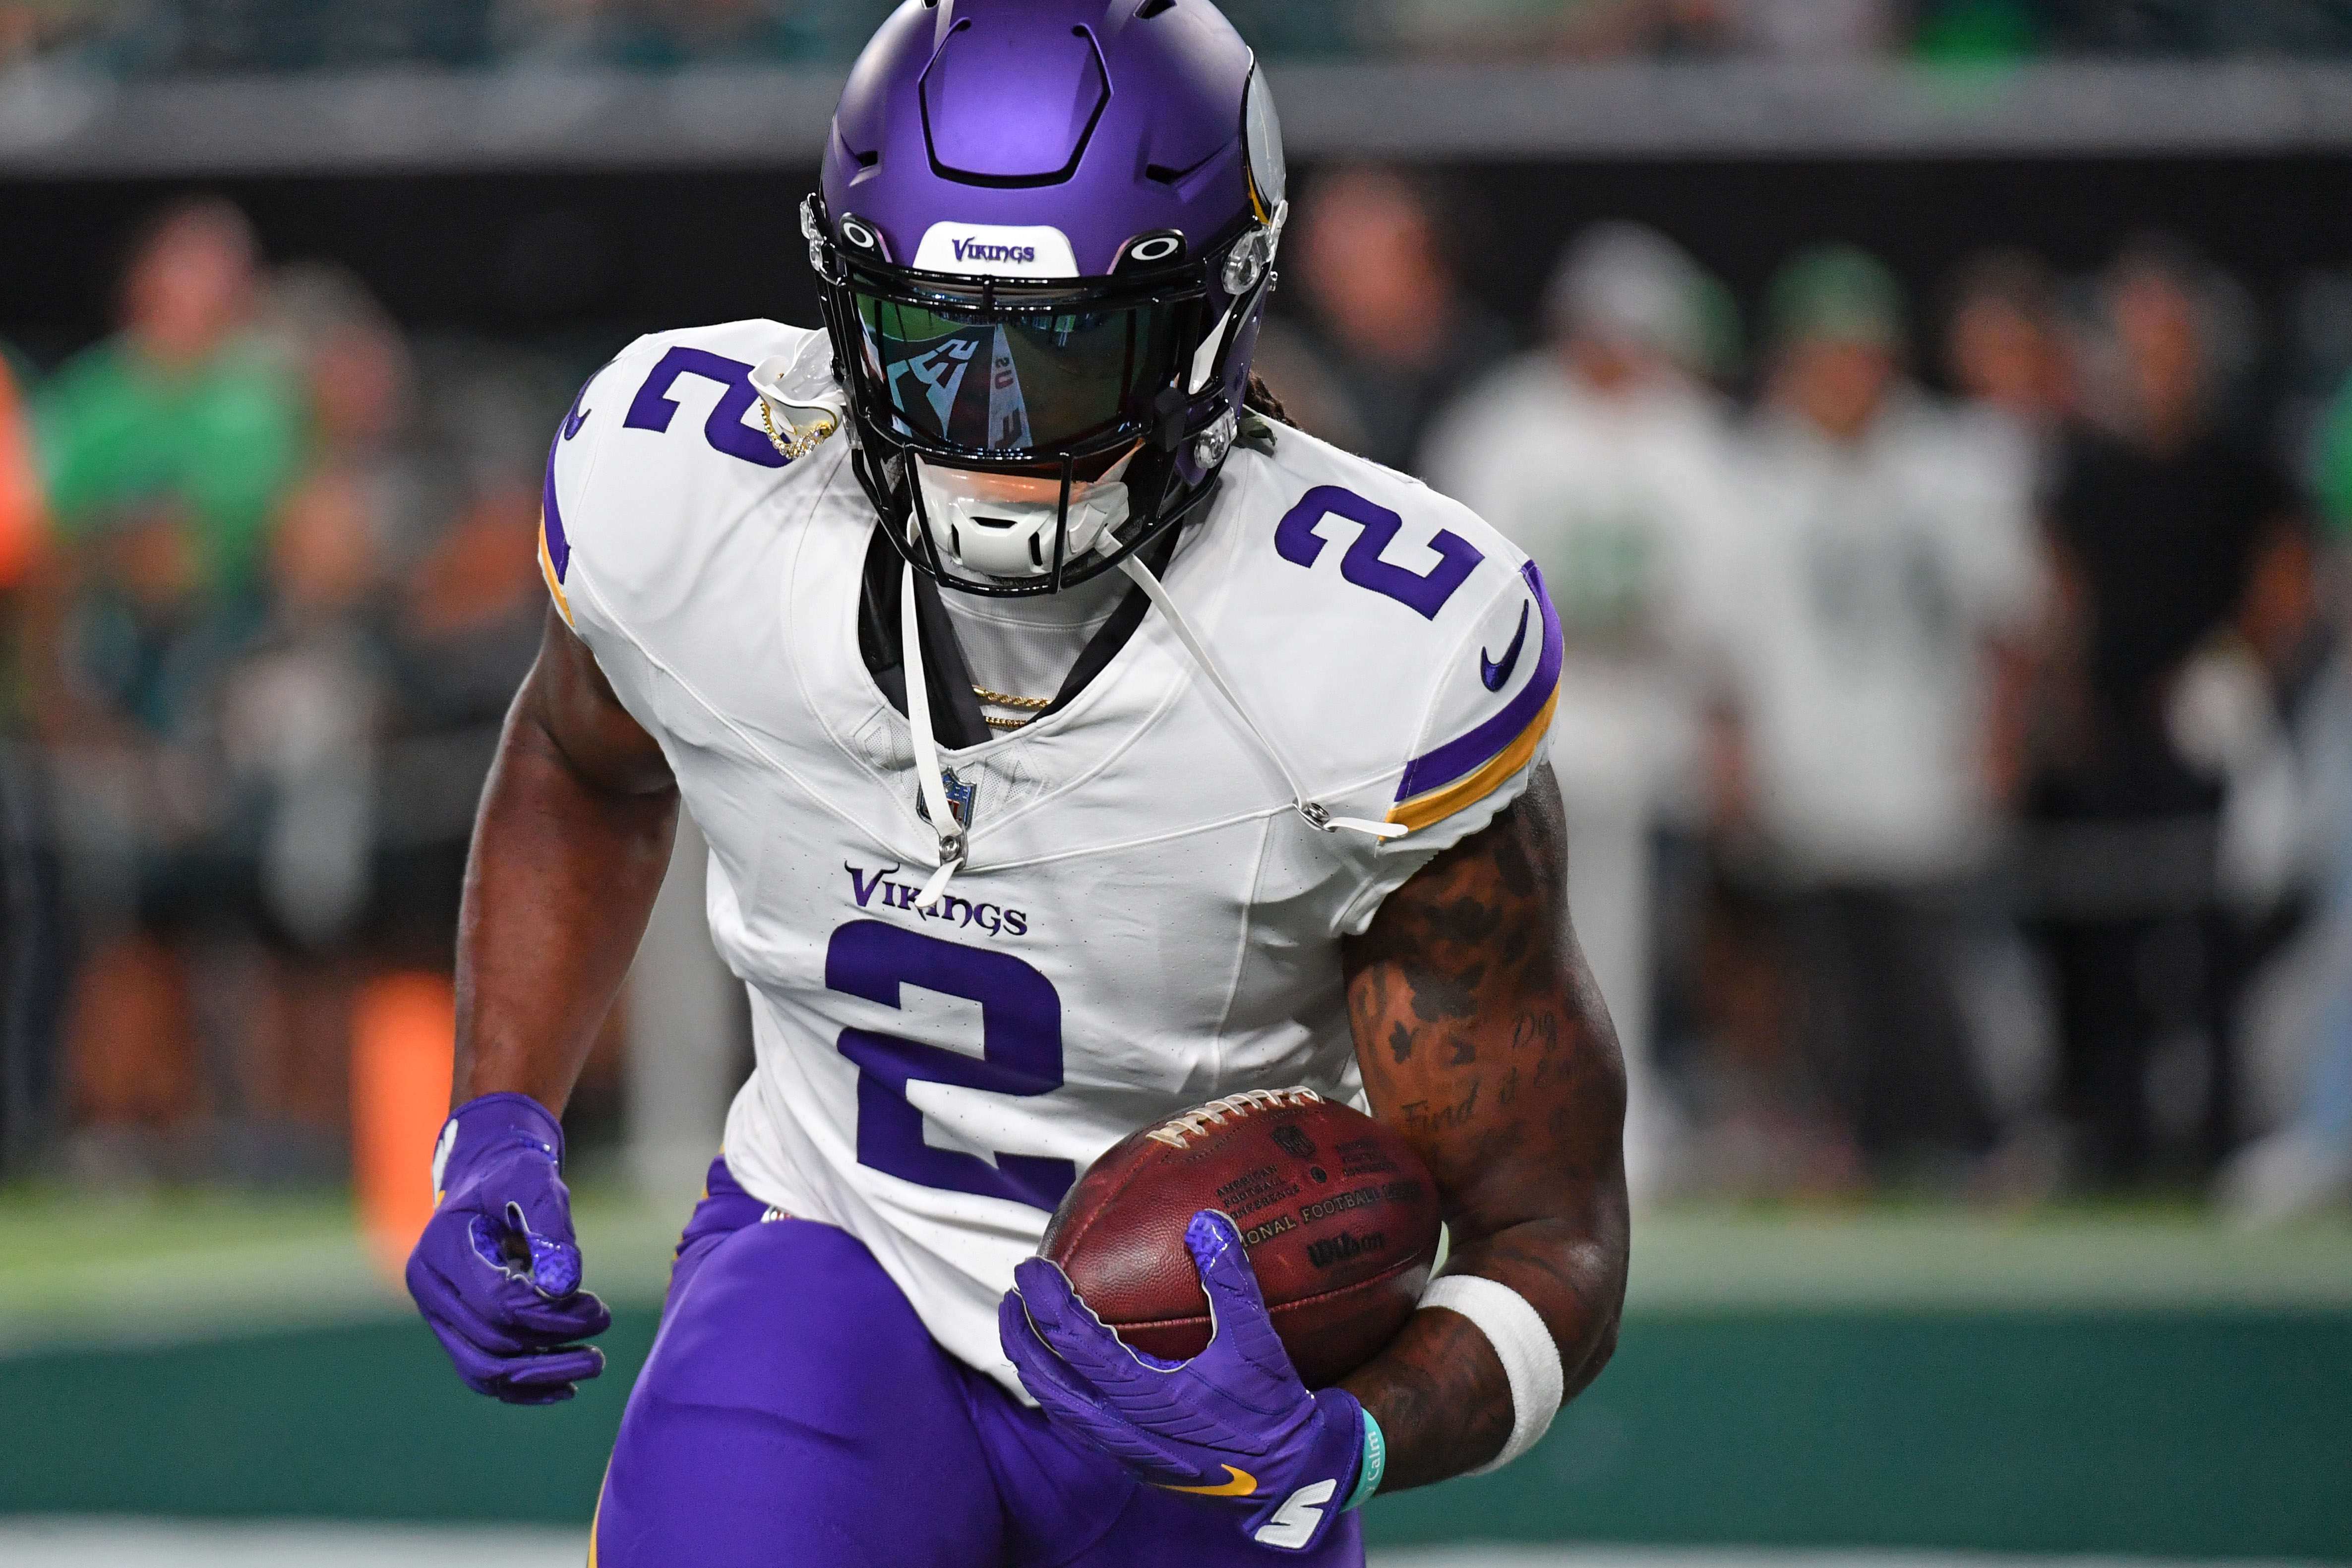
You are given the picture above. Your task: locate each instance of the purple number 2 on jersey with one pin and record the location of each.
(1297, 542)
(1021, 1028)
(653, 407)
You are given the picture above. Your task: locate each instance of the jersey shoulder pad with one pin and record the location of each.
(1438, 649)
(663, 449)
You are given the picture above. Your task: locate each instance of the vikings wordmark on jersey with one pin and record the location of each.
(1143, 921)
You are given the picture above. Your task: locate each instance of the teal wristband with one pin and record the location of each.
(1376, 1463)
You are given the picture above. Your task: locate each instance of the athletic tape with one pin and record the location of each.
(1530, 1360)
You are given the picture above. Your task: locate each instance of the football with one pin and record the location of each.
(1339, 1219)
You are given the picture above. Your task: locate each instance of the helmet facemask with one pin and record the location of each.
(1018, 437)
(1012, 527)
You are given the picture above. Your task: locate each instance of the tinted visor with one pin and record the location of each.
(1014, 380)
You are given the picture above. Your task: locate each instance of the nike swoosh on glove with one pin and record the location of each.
(497, 1273)
(1233, 1421)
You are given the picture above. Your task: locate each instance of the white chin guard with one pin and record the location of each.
(991, 525)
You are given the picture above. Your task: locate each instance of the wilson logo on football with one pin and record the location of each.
(1346, 1245)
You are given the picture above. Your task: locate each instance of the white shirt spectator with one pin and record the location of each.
(1864, 588)
(1625, 504)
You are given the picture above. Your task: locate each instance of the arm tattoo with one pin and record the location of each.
(1483, 1041)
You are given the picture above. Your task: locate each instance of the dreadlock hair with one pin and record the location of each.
(1260, 399)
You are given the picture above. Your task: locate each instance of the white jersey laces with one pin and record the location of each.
(954, 851)
(1316, 814)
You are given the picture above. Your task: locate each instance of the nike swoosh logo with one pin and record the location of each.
(1241, 1485)
(1494, 673)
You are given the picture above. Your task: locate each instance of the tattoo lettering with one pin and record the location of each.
(1538, 1029)
(1420, 1118)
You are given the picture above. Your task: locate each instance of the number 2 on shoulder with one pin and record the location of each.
(1296, 540)
(653, 407)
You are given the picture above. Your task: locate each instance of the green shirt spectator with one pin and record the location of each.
(216, 442)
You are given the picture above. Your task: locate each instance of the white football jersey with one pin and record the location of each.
(1144, 922)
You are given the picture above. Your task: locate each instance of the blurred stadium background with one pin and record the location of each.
(1932, 416)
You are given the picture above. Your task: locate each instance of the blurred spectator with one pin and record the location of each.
(2180, 567)
(2005, 345)
(2306, 1165)
(28, 920)
(167, 449)
(24, 508)
(1814, 29)
(1604, 457)
(168, 446)
(1587, 30)
(302, 709)
(460, 632)
(30, 28)
(1398, 334)
(2009, 355)
(1975, 32)
(1885, 559)
(660, 34)
(2195, 27)
(223, 35)
(551, 32)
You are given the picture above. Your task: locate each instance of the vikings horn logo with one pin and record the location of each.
(960, 798)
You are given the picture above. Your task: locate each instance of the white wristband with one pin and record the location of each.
(1530, 1360)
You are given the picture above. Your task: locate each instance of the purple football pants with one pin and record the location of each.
(794, 1413)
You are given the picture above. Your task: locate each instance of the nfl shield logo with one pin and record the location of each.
(959, 797)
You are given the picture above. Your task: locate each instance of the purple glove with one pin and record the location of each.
(497, 1273)
(1233, 1421)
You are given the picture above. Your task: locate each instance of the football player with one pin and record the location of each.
(1076, 743)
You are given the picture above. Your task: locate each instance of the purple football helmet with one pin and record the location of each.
(1044, 242)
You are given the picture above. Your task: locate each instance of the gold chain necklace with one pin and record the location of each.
(800, 446)
(1031, 705)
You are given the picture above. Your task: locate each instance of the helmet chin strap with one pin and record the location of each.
(953, 851)
(1316, 814)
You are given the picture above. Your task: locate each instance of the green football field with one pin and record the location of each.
(77, 1544)
(1879, 1383)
